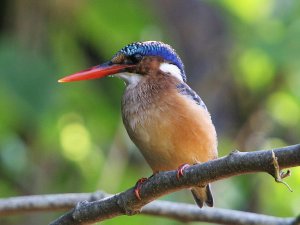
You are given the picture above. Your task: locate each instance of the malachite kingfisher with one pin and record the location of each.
(163, 116)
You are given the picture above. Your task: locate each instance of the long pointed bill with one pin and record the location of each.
(95, 72)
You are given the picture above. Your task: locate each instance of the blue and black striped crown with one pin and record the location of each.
(154, 48)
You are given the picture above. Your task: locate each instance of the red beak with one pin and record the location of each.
(95, 72)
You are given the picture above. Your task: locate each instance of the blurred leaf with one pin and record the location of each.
(13, 155)
(257, 69)
(108, 27)
(249, 11)
(284, 108)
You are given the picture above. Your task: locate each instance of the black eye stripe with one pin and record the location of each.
(138, 56)
(135, 58)
(128, 60)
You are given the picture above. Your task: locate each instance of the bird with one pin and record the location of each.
(168, 122)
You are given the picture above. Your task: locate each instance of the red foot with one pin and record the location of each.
(138, 187)
(181, 169)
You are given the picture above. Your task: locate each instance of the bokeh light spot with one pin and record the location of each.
(249, 10)
(284, 108)
(75, 141)
(257, 68)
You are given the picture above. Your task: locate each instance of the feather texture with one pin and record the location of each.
(168, 122)
(168, 127)
(184, 89)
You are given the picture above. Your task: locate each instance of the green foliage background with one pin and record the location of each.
(58, 138)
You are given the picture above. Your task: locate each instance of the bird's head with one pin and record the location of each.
(134, 61)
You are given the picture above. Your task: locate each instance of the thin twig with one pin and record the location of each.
(191, 213)
(278, 174)
(50, 202)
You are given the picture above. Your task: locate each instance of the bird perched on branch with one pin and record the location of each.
(163, 116)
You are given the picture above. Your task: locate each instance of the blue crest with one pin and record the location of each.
(154, 48)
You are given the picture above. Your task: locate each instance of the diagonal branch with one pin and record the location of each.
(163, 183)
(178, 211)
(235, 163)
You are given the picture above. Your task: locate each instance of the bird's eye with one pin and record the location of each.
(128, 60)
(133, 59)
(138, 57)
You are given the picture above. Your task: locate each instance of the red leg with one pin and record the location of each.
(181, 169)
(139, 184)
(138, 187)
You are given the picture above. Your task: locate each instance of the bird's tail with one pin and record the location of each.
(203, 194)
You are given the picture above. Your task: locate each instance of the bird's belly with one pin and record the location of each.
(169, 139)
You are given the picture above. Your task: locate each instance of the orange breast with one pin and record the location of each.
(171, 131)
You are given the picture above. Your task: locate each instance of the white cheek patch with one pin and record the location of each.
(129, 78)
(171, 69)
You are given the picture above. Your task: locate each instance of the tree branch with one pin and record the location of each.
(178, 211)
(270, 161)
(165, 182)
(191, 213)
(50, 202)
(236, 163)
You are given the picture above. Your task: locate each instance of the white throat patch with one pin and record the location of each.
(171, 69)
(129, 78)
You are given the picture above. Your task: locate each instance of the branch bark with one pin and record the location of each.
(191, 213)
(50, 202)
(165, 182)
(178, 211)
(236, 163)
